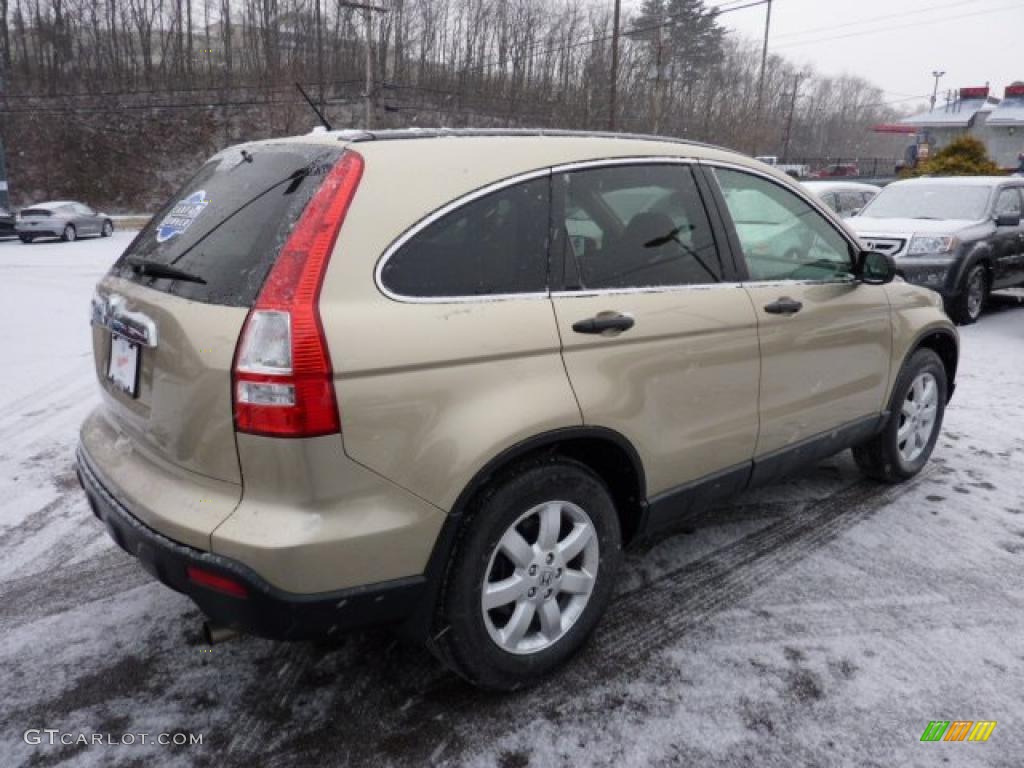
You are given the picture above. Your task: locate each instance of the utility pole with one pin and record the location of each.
(789, 122)
(935, 91)
(5, 200)
(613, 83)
(658, 96)
(371, 87)
(764, 64)
(319, 53)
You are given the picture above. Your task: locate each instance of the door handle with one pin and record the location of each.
(784, 306)
(604, 322)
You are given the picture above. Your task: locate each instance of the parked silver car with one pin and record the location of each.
(844, 197)
(65, 219)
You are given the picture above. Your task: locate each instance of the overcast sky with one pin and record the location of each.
(896, 43)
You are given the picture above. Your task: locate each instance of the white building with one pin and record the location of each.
(997, 123)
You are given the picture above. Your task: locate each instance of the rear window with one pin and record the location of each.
(228, 223)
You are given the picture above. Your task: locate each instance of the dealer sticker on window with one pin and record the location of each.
(181, 216)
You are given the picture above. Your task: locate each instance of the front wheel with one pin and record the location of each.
(108, 228)
(966, 308)
(531, 577)
(69, 234)
(25, 238)
(918, 404)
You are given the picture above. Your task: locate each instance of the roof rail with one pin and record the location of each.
(356, 135)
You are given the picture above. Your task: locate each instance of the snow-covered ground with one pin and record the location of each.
(824, 621)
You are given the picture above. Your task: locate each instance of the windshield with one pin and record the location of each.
(929, 201)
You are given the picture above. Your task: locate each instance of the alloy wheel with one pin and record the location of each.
(540, 577)
(917, 416)
(975, 292)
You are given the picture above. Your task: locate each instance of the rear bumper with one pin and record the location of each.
(38, 231)
(265, 610)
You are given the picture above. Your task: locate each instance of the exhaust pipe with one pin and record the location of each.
(215, 633)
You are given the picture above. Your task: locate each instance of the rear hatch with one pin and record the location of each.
(167, 319)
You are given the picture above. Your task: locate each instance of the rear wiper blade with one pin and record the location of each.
(156, 269)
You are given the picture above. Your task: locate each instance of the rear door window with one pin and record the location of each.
(229, 222)
(635, 226)
(495, 245)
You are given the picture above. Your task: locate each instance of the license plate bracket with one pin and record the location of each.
(123, 368)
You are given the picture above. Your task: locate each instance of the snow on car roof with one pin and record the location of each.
(52, 204)
(850, 186)
(963, 181)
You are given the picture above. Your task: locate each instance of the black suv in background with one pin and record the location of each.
(960, 236)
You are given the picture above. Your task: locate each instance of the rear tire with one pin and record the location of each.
(966, 308)
(26, 238)
(69, 234)
(918, 404)
(548, 532)
(108, 228)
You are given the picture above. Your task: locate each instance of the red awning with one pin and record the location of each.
(895, 128)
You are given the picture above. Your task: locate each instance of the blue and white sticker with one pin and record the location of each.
(181, 216)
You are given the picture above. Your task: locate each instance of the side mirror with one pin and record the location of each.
(874, 268)
(1008, 220)
(855, 212)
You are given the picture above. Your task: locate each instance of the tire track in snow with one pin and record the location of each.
(683, 598)
(32, 416)
(638, 624)
(30, 598)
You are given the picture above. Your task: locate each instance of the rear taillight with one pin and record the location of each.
(282, 378)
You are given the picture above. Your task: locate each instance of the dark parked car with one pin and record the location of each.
(961, 236)
(838, 170)
(65, 219)
(6, 222)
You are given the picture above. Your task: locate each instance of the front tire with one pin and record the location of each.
(531, 576)
(26, 238)
(966, 308)
(918, 404)
(108, 228)
(69, 234)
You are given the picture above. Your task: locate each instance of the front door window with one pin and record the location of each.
(782, 236)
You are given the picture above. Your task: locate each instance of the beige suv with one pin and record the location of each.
(440, 379)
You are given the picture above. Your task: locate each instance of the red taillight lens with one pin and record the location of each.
(216, 582)
(283, 383)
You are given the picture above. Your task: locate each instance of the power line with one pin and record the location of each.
(208, 105)
(833, 27)
(170, 91)
(915, 25)
(670, 21)
(729, 6)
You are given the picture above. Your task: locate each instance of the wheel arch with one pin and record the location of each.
(942, 342)
(981, 253)
(607, 452)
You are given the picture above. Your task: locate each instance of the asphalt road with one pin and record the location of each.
(822, 622)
